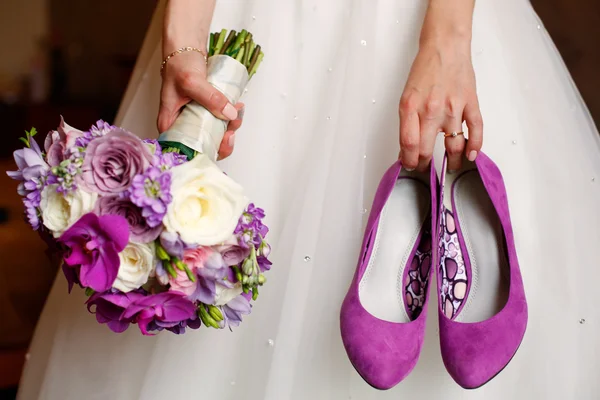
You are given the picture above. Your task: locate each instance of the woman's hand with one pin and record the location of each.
(440, 93)
(186, 23)
(184, 80)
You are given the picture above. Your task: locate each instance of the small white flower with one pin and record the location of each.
(224, 295)
(206, 205)
(137, 263)
(60, 211)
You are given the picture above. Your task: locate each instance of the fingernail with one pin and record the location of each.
(409, 169)
(230, 112)
(472, 155)
(241, 112)
(231, 140)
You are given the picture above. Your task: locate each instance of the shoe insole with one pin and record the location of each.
(381, 290)
(484, 241)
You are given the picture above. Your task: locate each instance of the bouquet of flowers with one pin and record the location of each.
(153, 231)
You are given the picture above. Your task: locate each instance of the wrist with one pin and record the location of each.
(448, 22)
(446, 38)
(186, 24)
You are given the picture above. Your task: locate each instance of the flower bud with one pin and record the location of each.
(161, 253)
(264, 249)
(261, 279)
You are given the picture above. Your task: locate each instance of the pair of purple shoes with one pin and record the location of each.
(460, 229)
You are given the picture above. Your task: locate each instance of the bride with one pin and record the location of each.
(320, 130)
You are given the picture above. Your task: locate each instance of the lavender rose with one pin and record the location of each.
(116, 205)
(113, 160)
(232, 252)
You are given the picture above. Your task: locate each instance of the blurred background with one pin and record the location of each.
(74, 58)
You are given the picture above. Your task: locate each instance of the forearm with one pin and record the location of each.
(448, 20)
(186, 23)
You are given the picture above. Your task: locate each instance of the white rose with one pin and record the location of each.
(206, 205)
(224, 295)
(137, 263)
(60, 211)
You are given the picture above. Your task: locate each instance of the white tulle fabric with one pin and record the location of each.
(321, 127)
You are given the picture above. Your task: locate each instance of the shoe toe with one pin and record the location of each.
(474, 353)
(382, 352)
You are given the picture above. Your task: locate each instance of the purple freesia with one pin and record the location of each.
(263, 263)
(112, 161)
(234, 310)
(173, 244)
(141, 232)
(165, 309)
(94, 244)
(31, 166)
(110, 306)
(152, 192)
(209, 267)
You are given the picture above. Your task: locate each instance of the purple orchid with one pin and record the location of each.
(152, 192)
(179, 329)
(234, 310)
(110, 306)
(94, 244)
(166, 310)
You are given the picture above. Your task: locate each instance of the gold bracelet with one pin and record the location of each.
(179, 51)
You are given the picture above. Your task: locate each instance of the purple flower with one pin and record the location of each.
(152, 192)
(31, 166)
(154, 148)
(94, 244)
(110, 306)
(170, 159)
(263, 263)
(141, 232)
(65, 174)
(32, 213)
(232, 252)
(250, 229)
(179, 329)
(54, 145)
(166, 310)
(234, 310)
(209, 267)
(112, 161)
(96, 131)
(173, 244)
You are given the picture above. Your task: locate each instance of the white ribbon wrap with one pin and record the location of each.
(196, 127)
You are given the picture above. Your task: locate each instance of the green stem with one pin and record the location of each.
(211, 43)
(238, 42)
(228, 42)
(256, 64)
(248, 53)
(220, 41)
(240, 55)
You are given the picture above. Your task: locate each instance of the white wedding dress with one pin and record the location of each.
(320, 128)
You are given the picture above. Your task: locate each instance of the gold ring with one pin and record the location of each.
(453, 134)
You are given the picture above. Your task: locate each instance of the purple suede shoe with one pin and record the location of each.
(483, 311)
(383, 315)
